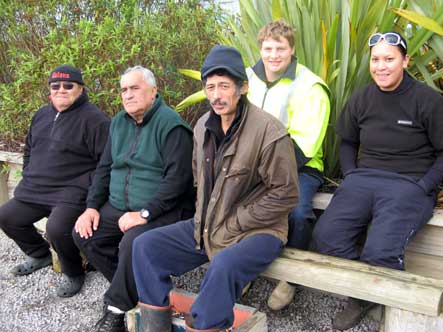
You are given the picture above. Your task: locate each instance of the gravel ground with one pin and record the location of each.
(29, 303)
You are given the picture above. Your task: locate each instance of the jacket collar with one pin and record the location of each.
(213, 124)
(259, 70)
(405, 84)
(149, 113)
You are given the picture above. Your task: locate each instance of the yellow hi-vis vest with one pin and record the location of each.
(302, 105)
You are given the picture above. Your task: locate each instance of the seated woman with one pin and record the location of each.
(392, 161)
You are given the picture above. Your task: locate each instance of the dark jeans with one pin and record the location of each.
(17, 219)
(171, 250)
(110, 251)
(301, 219)
(394, 207)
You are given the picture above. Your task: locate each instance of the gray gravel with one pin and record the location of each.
(30, 304)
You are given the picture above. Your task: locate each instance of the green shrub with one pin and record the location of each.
(102, 38)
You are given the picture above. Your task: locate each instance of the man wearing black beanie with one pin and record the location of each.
(246, 177)
(62, 148)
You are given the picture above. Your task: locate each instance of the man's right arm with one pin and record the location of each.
(28, 144)
(98, 194)
(27, 150)
(99, 190)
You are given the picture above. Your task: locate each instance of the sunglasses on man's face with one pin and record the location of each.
(66, 86)
(391, 38)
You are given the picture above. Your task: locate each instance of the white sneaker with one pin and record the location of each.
(281, 296)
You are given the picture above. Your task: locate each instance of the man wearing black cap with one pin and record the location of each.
(62, 148)
(245, 172)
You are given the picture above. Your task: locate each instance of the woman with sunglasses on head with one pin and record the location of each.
(391, 155)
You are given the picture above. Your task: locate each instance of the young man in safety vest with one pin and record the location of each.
(300, 100)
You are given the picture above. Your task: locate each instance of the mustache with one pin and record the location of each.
(218, 102)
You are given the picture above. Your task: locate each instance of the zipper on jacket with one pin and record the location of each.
(131, 151)
(264, 99)
(53, 123)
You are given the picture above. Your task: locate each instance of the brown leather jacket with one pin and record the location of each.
(256, 187)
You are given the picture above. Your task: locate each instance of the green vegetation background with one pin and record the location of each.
(102, 38)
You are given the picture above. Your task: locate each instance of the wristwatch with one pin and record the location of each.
(144, 214)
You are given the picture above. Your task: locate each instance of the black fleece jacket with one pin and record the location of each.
(62, 150)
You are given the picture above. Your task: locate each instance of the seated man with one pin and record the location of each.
(299, 99)
(62, 149)
(143, 181)
(246, 176)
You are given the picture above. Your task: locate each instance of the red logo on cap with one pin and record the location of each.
(58, 74)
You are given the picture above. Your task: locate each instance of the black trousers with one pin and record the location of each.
(110, 251)
(17, 219)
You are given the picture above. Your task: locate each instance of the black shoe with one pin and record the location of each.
(352, 314)
(70, 285)
(31, 264)
(111, 322)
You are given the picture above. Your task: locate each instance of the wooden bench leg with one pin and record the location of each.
(56, 262)
(398, 320)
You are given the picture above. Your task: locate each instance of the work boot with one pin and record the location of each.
(281, 296)
(352, 314)
(189, 325)
(70, 285)
(111, 322)
(155, 319)
(31, 264)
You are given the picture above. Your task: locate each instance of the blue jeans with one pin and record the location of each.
(301, 218)
(171, 250)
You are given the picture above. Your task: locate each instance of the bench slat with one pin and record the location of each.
(425, 265)
(398, 289)
(428, 240)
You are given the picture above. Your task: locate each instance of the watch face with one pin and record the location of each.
(144, 213)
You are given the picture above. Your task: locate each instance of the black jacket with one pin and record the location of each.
(61, 152)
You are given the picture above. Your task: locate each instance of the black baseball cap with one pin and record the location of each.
(66, 73)
(227, 58)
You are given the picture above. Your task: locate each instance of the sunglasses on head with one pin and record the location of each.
(391, 38)
(66, 86)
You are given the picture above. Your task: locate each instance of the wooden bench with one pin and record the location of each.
(413, 298)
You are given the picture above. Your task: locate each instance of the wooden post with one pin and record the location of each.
(3, 183)
(398, 320)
